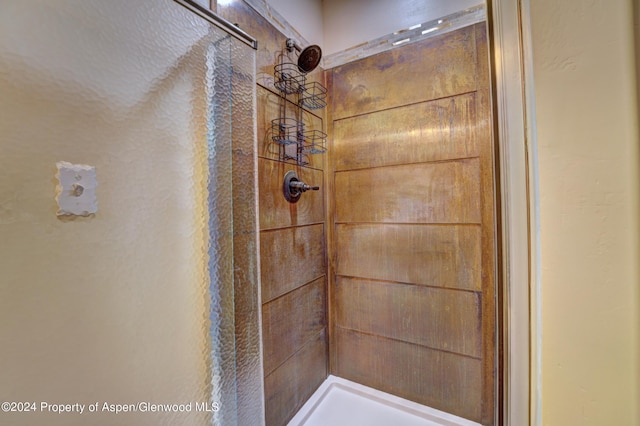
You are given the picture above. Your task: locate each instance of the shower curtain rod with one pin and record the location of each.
(221, 23)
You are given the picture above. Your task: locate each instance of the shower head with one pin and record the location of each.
(308, 58)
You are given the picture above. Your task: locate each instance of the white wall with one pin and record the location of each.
(337, 25)
(348, 23)
(304, 15)
(587, 124)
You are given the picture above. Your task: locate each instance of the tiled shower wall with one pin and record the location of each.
(411, 245)
(412, 236)
(292, 242)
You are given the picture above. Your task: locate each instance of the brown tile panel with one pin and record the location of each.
(444, 192)
(269, 109)
(429, 131)
(426, 103)
(290, 258)
(244, 199)
(249, 371)
(441, 380)
(290, 385)
(288, 322)
(432, 255)
(434, 68)
(275, 211)
(438, 318)
(331, 249)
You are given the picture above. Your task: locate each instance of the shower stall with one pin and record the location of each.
(145, 312)
(157, 308)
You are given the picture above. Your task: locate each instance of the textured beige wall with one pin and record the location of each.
(110, 308)
(587, 124)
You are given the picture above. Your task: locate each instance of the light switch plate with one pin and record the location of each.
(76, 189)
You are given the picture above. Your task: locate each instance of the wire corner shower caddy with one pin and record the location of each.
(295, 140)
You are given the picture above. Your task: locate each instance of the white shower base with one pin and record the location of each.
(340, 402)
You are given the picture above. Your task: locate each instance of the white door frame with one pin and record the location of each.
(519, 208)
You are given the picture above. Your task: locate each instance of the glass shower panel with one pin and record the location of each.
(233, 237)
(144, 304)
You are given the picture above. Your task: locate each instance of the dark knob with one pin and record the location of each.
(293, 188)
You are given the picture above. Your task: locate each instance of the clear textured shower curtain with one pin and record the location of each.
(139, 314)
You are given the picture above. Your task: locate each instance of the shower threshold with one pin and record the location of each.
(340, 402)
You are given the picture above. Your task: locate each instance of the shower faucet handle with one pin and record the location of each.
(293, 188)
(301, 186)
